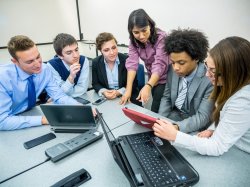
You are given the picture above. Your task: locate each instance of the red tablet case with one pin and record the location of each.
(139, 118)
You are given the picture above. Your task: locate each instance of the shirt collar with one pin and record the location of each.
(66, 65)
(22, 74)
(117, 61)
(190, 77)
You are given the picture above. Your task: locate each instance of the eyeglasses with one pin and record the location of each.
(212, 71)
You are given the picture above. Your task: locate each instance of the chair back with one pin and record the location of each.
(140, 76)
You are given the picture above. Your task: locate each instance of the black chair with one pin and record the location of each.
(140, 76)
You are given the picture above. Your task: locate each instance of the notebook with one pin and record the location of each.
(147, 160)
(139, 118)
(69, 118)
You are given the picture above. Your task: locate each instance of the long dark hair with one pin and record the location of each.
(231, 57)
(140, 19)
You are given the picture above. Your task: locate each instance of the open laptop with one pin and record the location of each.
(147, 160)
(69, 118)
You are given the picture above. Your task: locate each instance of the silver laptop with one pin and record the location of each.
(69, 118)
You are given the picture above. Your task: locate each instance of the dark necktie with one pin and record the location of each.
(182, 95)
(31, 93)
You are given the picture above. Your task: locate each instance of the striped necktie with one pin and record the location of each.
(182, 95)
(31, 93)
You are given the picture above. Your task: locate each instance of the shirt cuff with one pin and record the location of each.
(68, 84)
(100, 93)
(182, 139)
(211, 127)
(121, 90)
(34, 121)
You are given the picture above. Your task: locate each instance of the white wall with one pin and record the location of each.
(41, 20)
(216, 18)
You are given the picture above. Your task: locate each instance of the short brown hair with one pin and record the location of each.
(62, 40)
(102, 38)
(19, 43)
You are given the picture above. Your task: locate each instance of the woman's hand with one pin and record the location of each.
(144, 94)
(165, 129)
(205, 134)
(125, 98)
(110, 94)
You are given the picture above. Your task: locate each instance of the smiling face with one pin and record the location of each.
(109, 50)
(29, 60)
(70, 54)
(182, 63)
(141, 34)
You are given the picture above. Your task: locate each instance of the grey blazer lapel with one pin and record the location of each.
(196, 81)
(174, 87)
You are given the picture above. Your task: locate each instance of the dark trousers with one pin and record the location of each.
(157, 93)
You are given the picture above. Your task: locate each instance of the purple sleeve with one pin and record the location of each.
(160, 65)
(133, 59)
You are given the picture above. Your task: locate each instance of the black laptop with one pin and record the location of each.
(147, 160)
(69, 118)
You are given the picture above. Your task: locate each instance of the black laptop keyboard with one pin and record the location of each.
(159, 172)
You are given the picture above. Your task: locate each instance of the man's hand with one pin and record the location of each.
(44, 121)
(94, 112)
(74, 69)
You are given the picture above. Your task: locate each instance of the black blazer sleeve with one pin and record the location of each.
(99, 76)
(98, 81)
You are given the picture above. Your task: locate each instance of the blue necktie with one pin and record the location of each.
(31, 93)
(182, 95)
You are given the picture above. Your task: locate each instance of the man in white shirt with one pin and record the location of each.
(70, 69)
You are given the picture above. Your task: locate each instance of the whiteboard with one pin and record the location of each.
(41, 20)
(216, 18)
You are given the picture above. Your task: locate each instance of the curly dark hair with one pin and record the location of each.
(191, 41)
(140, 19)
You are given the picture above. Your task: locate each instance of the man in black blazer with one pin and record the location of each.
(109, 74)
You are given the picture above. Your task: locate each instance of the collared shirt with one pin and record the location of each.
(14, 95)
(71, 89)
(154, 56)
(189, 79)
(112, 76)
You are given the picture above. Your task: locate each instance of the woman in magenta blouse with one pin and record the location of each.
(146, 43)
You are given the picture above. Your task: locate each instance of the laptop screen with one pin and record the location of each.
(69, 115)
(107, 132)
